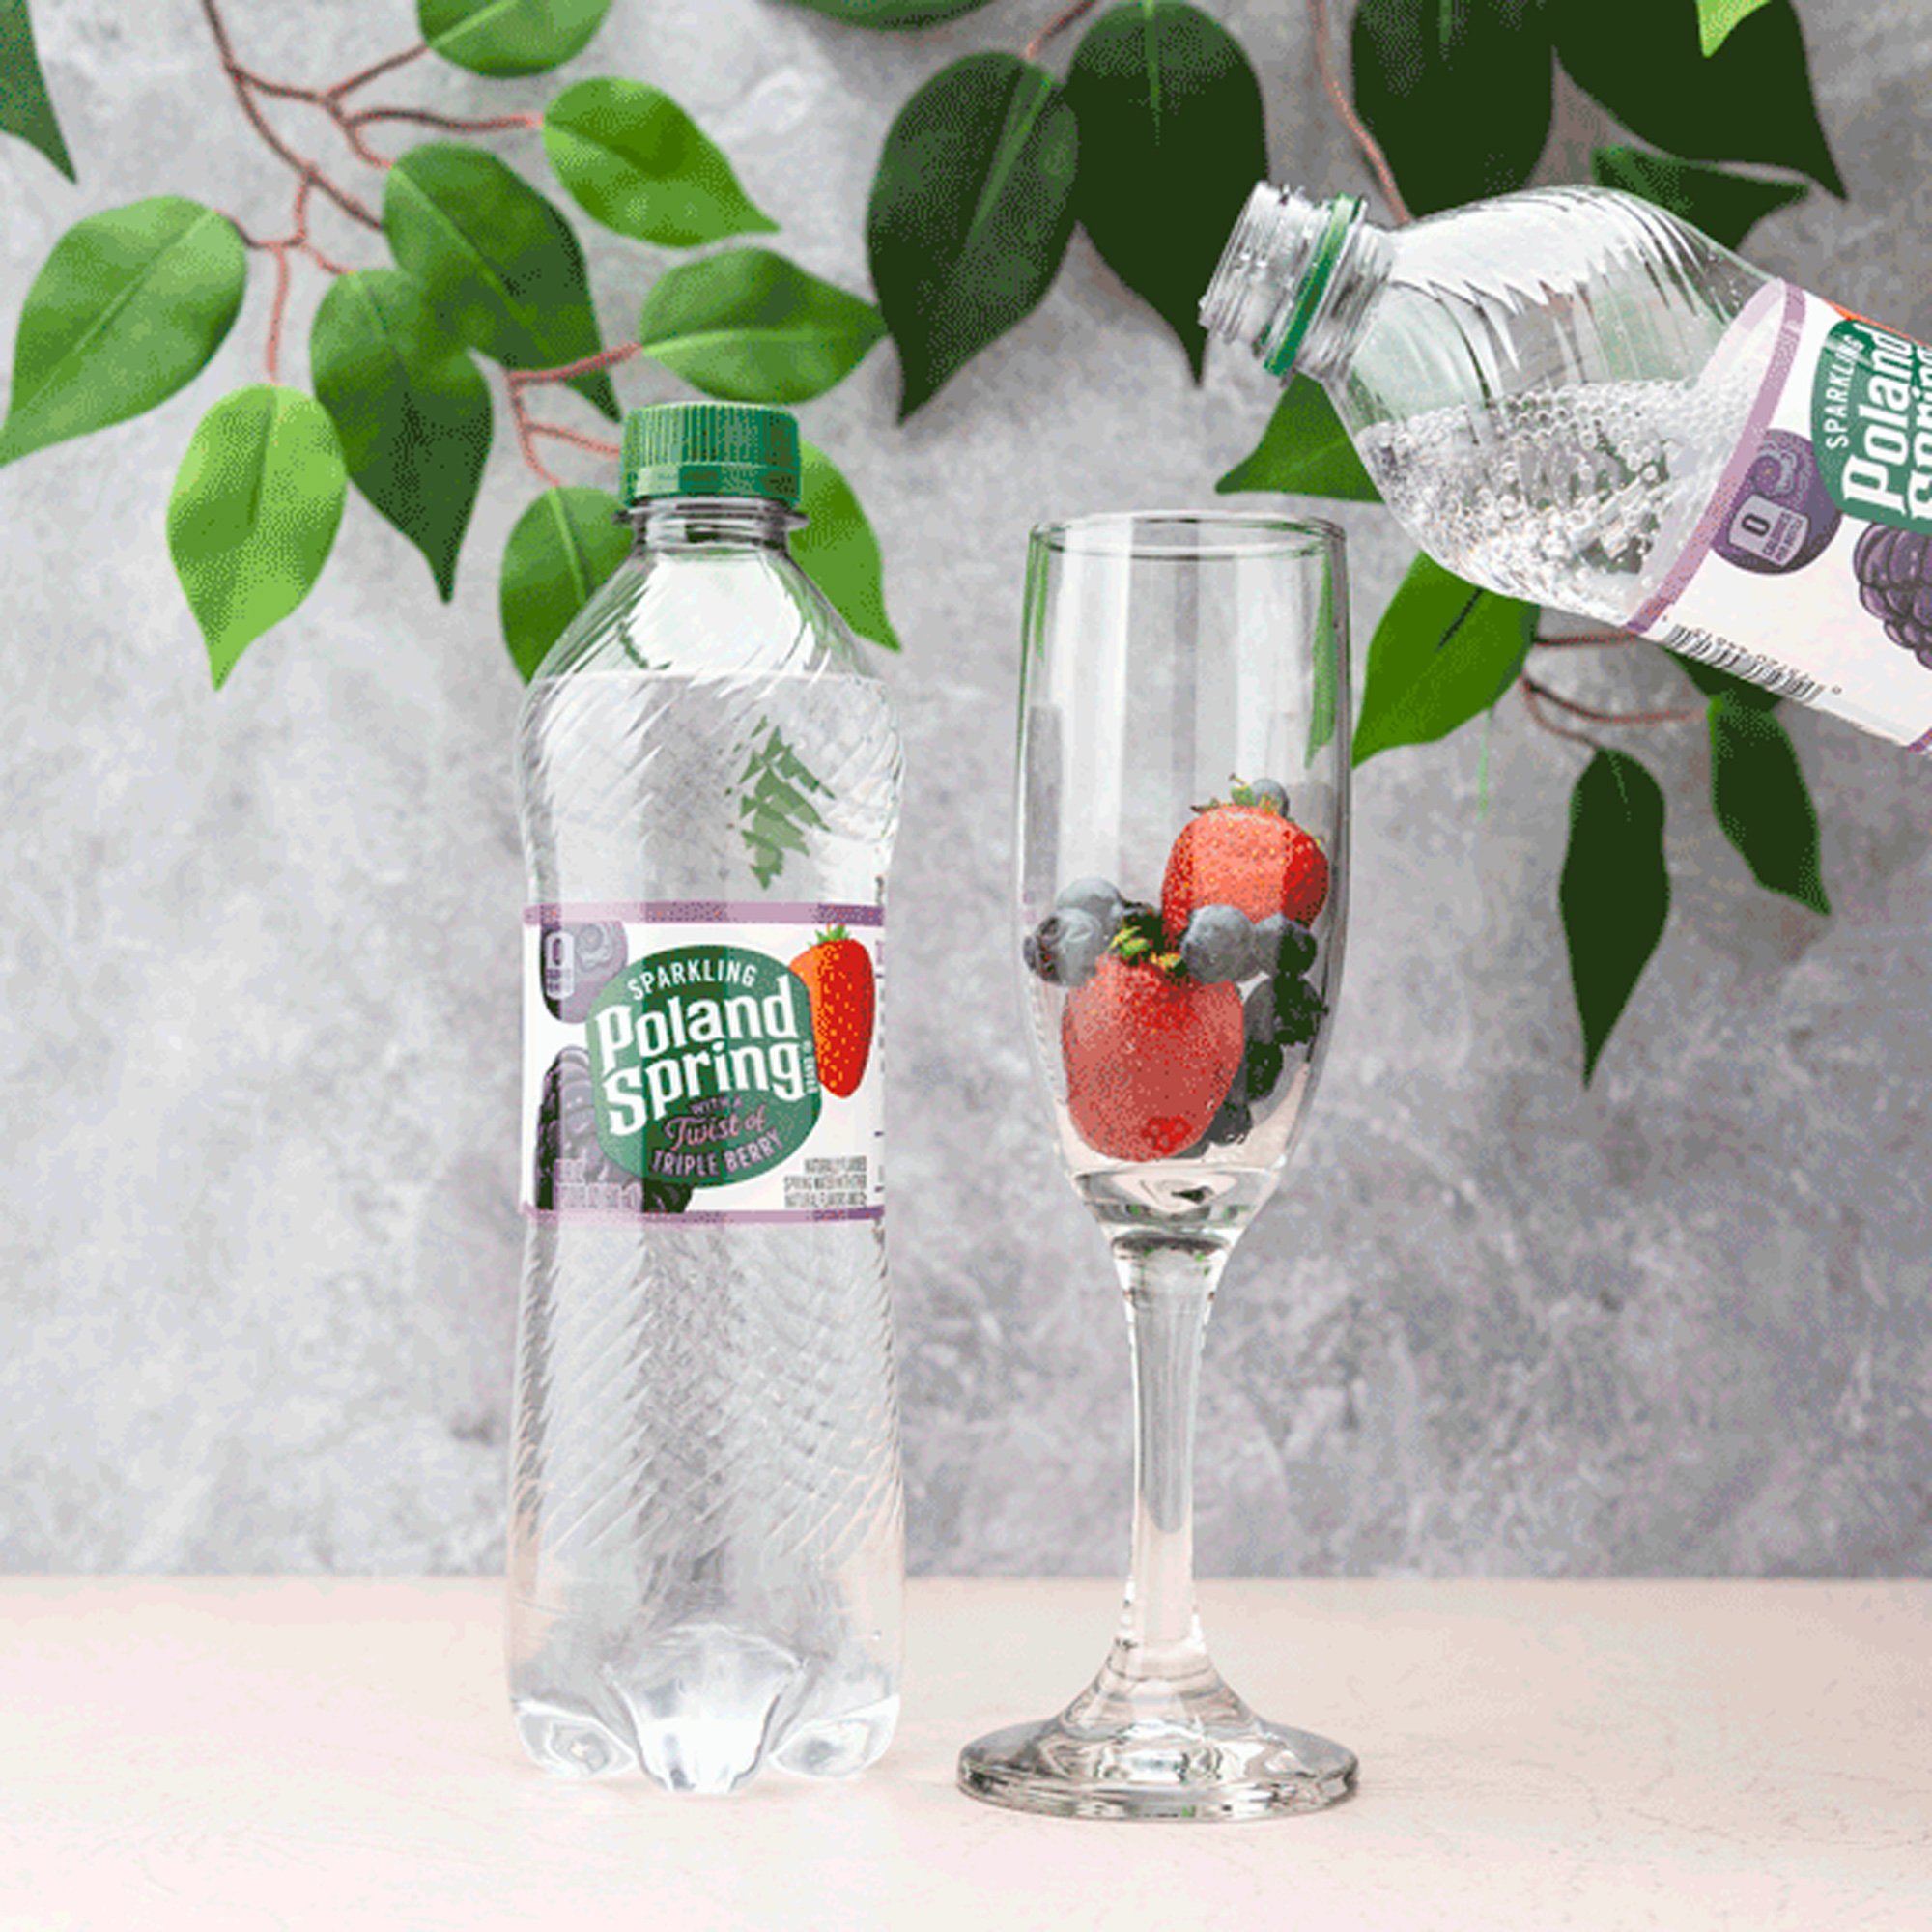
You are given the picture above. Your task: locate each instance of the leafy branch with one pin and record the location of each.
(134, 302)
(1070, 17)
(1148, 143)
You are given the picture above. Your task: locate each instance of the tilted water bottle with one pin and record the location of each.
(1571, 396)
(705, 1525)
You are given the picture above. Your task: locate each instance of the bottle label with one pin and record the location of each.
(703, 1062)
(1810, 571)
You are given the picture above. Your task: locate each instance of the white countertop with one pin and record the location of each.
(235, 1755)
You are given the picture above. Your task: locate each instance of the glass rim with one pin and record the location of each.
(1225, 534)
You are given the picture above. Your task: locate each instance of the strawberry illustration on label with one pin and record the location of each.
(1150, 1054)
(838, 973)
(1247, 853)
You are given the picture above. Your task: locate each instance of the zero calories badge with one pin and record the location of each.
(703, 1066)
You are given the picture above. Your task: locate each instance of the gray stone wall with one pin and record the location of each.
(258, 979)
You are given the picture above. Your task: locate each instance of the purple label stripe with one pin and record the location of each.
(1785, 352)
(614, 1217)
(1921, 743)
(705, 912)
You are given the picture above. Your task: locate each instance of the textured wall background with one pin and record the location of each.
(258, 984)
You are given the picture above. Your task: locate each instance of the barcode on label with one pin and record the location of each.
(1707, 647)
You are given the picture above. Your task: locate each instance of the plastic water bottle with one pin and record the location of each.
(1571, 396)
(706, 1543)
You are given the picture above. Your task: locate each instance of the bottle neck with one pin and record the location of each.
(1298, 282)
(714, 523)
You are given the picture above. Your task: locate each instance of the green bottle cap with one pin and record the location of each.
(711, 449)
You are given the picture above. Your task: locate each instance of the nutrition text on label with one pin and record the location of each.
(839, 1181)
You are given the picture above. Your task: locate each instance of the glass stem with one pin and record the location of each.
(1170, 1288)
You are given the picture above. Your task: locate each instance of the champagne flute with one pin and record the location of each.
(1183, 858)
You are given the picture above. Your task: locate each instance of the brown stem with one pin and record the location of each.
(326, 263)
(1345, 109)
(278, 309)
(454, 123)
(527, 443)
(325, 100)
(351, 132)
(1531, 698)
(1596, 717)
(278, 90)
(301, 235)
(296, 242)
(587, 365)
(596, 445)
(248, 240)
(362, 76)
(1573, 641)
(241, 81)
(526, 431)
(1058, 25)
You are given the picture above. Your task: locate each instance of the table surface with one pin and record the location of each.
(241, 1755)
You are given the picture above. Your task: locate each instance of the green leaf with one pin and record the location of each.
(1304, 452)
(410, 408)
(254, 514)
(1443, 651)
(505, 38)
(1717, 18)
(750, 326)
(1725, 206)
(775, 810)
(1749, 102)
(1458, 92)
(25, 108)
(125, 310)
(839, 551)
(634, 161)
(971, 211)
(1762, 802)
(1171, 143)
(562, 549)
(1615, 891)
(892, 14)
(499, 262)
(1716, 683)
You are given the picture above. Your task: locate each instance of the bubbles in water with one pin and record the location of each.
(1580, 497)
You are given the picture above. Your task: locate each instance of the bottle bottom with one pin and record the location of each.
(704, 1709)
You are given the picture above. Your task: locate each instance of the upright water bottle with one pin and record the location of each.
(1573, 397)
(705, 1521)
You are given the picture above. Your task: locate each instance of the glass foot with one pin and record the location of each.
(1133, 1747)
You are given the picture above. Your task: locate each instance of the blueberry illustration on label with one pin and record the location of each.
(579, 961)
(572, 1169)
(1783, 516)
(1895, 572)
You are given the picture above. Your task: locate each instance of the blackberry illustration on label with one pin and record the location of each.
(571, 1169)
(1818, 542)
(1895, 585)
(579, 961)
(692, 1061)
